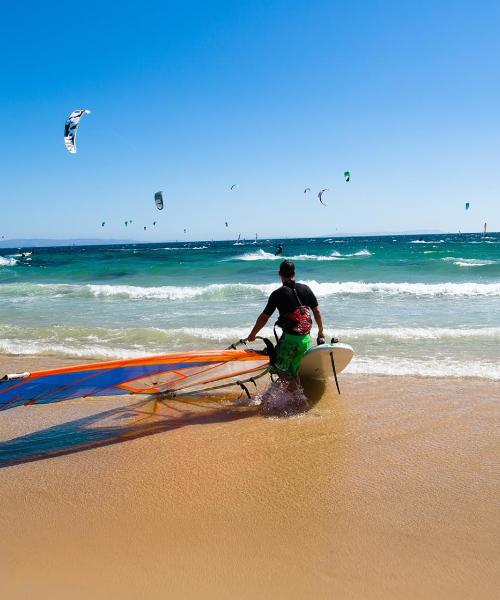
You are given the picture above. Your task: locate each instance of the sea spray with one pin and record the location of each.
(283, 398)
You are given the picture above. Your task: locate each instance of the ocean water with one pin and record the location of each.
(425, 305)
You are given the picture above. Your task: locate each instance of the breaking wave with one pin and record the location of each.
(426, 242)
(359, 253)
(263, 255)
(384, 365)
(7, 262)
(469, 262)
(25, 291)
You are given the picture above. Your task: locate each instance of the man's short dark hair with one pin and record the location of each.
(287, 268)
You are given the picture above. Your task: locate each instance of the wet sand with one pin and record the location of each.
(388, 491)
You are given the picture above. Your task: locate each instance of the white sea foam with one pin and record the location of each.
(385, 365)
(412, 289)
(179, 248)
(358, 253)
(77, 351)
(426, 242)
(479, 263)
(395, 333)
(418, 333)
(258, 255)
(143, 338)
(26, 291)
(469, 262)
(215, 290)
(7, 262)
(263, 255)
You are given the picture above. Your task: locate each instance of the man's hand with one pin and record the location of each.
(261, 321)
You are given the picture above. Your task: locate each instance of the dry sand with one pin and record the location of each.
(388, 491)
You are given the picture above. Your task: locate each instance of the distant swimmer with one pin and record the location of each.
(279, 250)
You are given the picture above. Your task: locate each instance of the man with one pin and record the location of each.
(294, 301)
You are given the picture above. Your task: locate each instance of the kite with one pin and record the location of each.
(347, 176)
(467, 204)
(234, 186)
(71, 127)
(320, 196)
(103, 223)
(159, 200)
(307, 190)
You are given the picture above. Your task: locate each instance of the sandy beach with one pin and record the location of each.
(388, 491)
(181, 179)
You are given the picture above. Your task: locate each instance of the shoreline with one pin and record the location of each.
(19, 363)
(387, 491)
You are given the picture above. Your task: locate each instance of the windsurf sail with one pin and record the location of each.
(170, 374)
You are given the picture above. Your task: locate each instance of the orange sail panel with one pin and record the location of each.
(166, 373)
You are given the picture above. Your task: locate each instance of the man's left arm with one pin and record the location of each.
(319, 321)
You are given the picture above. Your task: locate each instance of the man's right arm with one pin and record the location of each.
(263, 317)
(261, 321)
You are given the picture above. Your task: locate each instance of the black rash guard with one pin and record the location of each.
(285, 301)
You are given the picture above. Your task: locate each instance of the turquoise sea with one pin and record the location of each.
(424, 305)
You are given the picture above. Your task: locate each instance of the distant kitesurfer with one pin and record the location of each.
(279, 250)
(295, 303)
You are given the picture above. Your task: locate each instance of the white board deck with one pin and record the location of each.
(317, 363)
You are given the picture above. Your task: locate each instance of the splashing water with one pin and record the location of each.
(283, 398)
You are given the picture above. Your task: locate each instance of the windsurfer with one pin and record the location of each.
(295, 303)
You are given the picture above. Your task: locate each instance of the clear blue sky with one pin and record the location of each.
(191, 97)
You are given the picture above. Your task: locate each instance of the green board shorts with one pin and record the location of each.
(289, 353)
